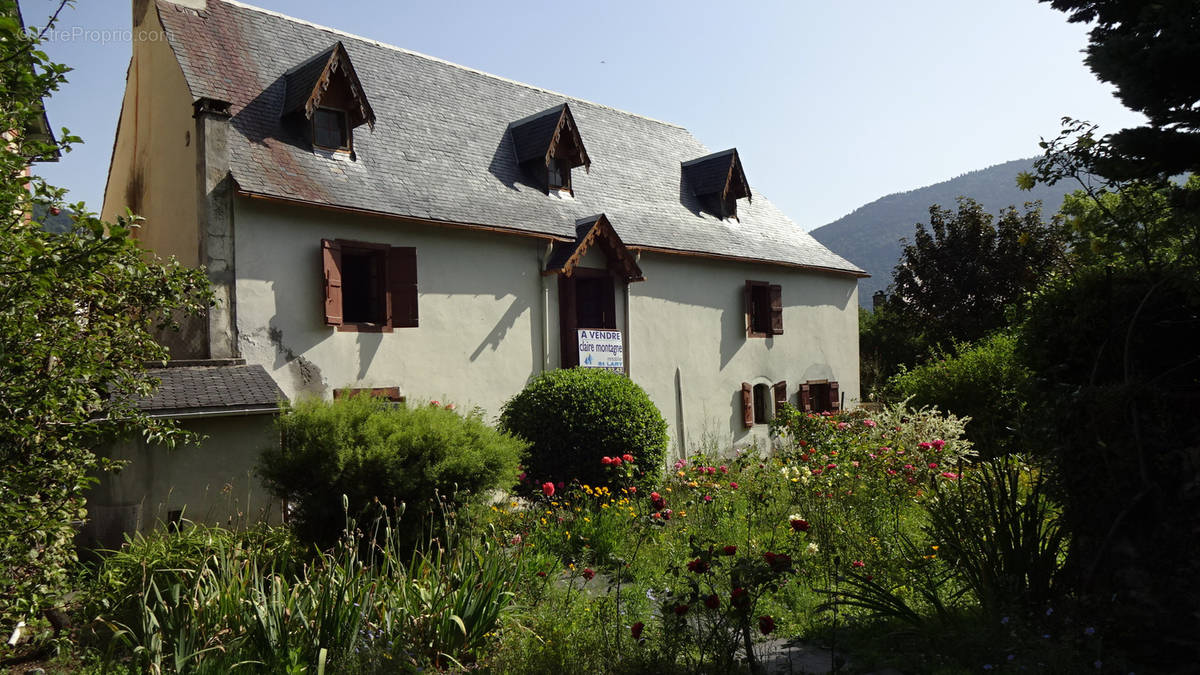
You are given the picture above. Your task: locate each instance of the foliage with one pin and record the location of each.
(243, 601)
(372, 451)
(1115, 401)
(78, 312)
(1137, 47)
(982, 381)
(1001, 534)
(956, 279)
(573, 417)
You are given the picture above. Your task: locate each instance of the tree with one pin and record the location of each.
(78, 314)
(1148, 51)
(957, 277)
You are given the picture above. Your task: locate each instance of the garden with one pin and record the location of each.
(422, 539)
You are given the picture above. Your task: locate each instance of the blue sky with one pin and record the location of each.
(830, 104)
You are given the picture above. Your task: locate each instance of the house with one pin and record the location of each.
(376, 219)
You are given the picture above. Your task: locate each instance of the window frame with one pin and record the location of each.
(347, 137)
(396, 285)
(380, 253)
(763, 313)
(761, 402)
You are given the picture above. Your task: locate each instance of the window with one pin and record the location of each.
(764, 309)
(329, 129)
(558, 175)
(760, 402)
(820, 396)
(369, 287)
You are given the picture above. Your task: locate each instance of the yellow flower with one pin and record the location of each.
(586, 519)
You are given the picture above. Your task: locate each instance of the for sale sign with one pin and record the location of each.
(600, 348)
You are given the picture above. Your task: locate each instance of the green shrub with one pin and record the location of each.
(574, 417)
(370, 450)
(981, 380)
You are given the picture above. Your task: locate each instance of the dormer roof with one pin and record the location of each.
(309, 82)
(549, 134)
(718, 179)
(595, 231)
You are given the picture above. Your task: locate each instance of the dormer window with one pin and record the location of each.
(329, 129)
(717, 181)
(547, 146)
(325, 101)
(558, 176)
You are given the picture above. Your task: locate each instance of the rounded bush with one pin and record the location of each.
(574, 417)
(368, 450)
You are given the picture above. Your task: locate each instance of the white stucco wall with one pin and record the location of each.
(689, 350)
(485, 310)
(212, 482)
(480, 304)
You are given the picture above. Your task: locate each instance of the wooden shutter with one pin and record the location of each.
(568, 322)
(780, 389)
(331, 271)
(402, 287)
(747, 404)
(805, 398)
(776, 309)
(748, 299)
(834, 399)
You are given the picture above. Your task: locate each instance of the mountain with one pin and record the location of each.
(870, 235)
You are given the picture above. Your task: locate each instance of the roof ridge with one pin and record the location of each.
(271, 12)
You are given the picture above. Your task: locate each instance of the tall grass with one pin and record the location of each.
(208, 600)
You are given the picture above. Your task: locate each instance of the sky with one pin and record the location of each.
(831, 105)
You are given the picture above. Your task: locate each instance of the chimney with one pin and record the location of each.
(215, 211)
(877, 300)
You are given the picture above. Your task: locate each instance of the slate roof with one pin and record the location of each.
(531, 136)
(212, 390)
(441, 149)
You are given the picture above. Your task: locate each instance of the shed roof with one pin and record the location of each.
(211, 390)
(441, 149)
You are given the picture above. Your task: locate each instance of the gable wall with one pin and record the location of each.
(153, 169)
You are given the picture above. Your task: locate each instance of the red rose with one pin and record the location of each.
(698, 566)
(858, 563)
(633, 490)
(680, 610)
(733, 485)
(588, 573)
(666, 514)
(729, 550)
(800, 525)
(548, 489)
(740, 598)
(766, 624)
(627, 457)
(712, 601)
(616, 461)
(541, 574)
(636, 630)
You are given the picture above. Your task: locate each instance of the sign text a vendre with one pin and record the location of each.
(600, 348)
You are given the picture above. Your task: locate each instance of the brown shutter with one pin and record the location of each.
(748, 299)
(331, 268)
(834, 400)
(780, 395)
(747, 405)
(776, 309)
(609, 293)
(402, 286)
(805, 399)
(568, 322)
